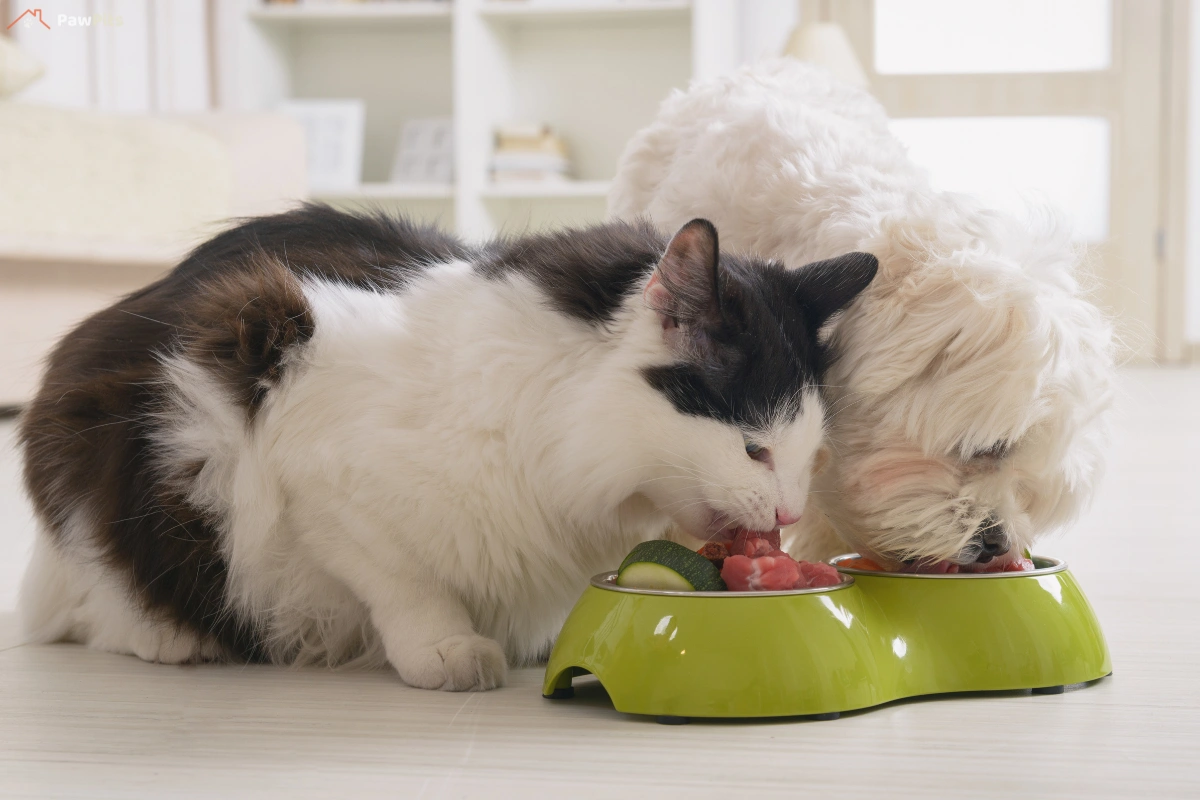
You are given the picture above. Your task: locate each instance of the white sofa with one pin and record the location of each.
(93, 206)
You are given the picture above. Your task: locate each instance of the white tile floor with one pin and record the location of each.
(83, 724)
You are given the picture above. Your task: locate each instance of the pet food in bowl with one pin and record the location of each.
(871, 638)
(937, 568)
(752, 562)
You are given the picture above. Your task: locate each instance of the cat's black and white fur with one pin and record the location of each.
(330, 438)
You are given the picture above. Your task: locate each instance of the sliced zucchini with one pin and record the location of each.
(666, 566)
(648, 575)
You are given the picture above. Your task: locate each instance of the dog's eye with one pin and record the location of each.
(757, 451)
(995, 452)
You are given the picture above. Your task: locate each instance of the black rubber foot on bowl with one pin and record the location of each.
(824, 717)
(1050, 689)
(666, 719)
(561, 694)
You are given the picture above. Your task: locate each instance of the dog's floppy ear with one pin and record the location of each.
(826, 287)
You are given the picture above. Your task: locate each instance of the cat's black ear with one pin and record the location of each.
(685, 287)
(826, 287)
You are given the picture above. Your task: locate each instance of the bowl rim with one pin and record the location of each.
(1055, 565)
(607, 582)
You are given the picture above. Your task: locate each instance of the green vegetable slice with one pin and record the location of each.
(666, 566)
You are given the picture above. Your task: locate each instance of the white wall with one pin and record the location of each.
(765, 27)
(132, 56)
(1192, 325)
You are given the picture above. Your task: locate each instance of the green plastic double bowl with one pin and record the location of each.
(875, 638)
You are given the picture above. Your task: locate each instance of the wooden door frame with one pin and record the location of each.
(1145, 254)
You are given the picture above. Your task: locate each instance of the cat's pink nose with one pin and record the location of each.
(785, 517)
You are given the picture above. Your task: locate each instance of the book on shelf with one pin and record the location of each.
(528, 152)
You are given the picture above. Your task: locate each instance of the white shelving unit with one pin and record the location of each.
(548, 190)
(595, 70)
(393, 191)
(400, 11)
(582, 10)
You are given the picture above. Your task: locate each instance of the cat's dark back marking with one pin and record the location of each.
(235, 307)
(90, 457)
(585, 273)
(367, 250)
(243, 325)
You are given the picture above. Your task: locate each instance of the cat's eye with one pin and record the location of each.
(757, 451)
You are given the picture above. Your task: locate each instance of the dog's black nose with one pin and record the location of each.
(991, 540)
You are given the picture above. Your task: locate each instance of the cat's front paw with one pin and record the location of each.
(459, 663)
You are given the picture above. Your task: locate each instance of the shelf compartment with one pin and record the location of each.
(401, 12)
(534, 190)
(557, 11)
(390, 191)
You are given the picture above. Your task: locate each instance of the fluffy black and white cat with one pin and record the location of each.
(331, 438)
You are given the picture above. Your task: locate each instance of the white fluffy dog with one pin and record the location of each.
(970, 396)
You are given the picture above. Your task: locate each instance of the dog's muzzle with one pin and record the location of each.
(987, 543)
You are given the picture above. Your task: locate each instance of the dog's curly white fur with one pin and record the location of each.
(974, 378)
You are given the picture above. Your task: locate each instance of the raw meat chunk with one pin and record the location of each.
(716, 552)
(754, 563)
(762, 574)
(813, 575)
(775, 572)
(930, 568)
(939, 567)
(862, 562)
(754, 543)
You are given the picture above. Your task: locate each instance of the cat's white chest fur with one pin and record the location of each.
(430, 433)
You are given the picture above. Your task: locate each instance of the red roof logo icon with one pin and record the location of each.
(30, 15)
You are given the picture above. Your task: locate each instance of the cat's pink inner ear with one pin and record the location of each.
(691, 258)
(659, 299)
(682, 289)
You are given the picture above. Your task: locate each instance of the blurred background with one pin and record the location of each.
(131, 129)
